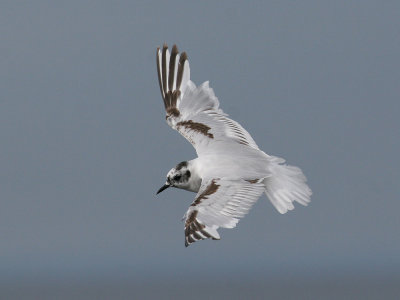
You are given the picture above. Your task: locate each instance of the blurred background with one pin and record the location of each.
(85, 146)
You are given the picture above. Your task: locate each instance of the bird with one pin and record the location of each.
(231, 172)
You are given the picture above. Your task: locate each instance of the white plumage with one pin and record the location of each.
(231, 172)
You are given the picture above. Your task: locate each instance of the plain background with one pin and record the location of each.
(85, 146)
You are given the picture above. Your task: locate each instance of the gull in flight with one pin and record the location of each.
(230, 172)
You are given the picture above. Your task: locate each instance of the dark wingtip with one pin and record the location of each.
(164, 70)
(172, 71)
(175, 49)
(181, 64)
(183, 57)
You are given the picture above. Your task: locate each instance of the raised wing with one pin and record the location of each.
(194, 111)
(219, 203)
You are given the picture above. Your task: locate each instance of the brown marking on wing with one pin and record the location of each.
(211, 189)
(192, 229)
(159, 76)
(174, 98)
(172, 111)
(172, 60)
(169, 95)
(192, 226)
(252, 181)
(164, 68)
(181, 65)
(199, 127)
(191, 218)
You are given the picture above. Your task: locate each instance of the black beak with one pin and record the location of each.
(164, 187)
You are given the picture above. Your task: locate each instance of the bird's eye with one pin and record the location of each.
(177, 177)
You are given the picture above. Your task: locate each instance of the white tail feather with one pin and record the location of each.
(286, 185)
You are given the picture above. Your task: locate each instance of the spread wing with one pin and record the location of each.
(219, 203)
(194, 111)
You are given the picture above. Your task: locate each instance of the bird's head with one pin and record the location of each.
(178, 177)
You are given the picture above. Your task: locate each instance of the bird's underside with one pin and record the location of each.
(234, 172)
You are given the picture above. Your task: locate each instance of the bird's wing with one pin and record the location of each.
(194, 111)
(219, 203)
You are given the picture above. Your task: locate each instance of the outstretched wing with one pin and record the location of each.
(219, 203)
(194, 111)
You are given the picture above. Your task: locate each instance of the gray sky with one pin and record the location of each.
(85, 146)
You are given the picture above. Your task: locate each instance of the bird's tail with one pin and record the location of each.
(286, 185)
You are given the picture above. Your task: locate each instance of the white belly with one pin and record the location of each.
(246, 165)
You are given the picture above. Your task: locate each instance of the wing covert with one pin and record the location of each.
(219, 203)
